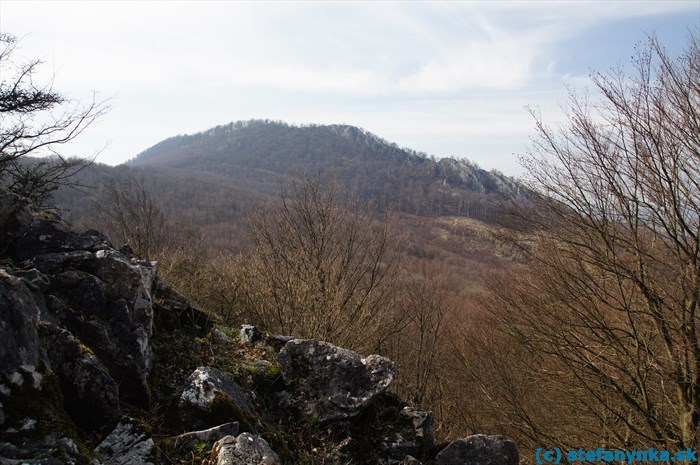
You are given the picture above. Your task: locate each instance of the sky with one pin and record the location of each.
(451, 79)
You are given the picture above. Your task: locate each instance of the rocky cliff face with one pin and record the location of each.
(101, 363)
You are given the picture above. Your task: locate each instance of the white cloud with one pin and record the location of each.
(476, 65)
(448, 78)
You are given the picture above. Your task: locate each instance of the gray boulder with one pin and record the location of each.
(423, 430)
(128, 320)
(249, 334)
(91, 396)
(219, 334)
(245, 449)
(30, 399)
(80, 283)
(411, 433)
(75, 317)
(30, 405)
(211, 398)
(128, 444)
(479, 449)
(328, 383)
(188, 440)
(107, 303)
(19, 317)
(410, 460)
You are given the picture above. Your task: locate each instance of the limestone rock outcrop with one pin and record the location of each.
(244, 449)
(211, 398)
(330, 383)
(128, 444)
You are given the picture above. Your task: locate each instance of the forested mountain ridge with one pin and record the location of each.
(252, 153)
(210, 181)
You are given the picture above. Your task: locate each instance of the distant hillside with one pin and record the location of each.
(254, 154)
(209, 182)
(201, 201)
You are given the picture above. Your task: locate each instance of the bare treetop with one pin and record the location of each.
(34, 120)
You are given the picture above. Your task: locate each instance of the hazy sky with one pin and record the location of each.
(446, 78)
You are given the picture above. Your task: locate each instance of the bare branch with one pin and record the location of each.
(35, 120)
(607, 306)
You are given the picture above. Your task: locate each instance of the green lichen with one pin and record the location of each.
(45, 215)
(227, 330)
(223, 410)
(85, 349)
(274, 370)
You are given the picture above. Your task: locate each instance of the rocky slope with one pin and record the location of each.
(102, 363)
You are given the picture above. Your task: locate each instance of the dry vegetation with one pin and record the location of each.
(602, 318)
(573, 324)
(332, 267)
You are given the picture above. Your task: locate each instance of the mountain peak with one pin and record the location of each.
(252, 152)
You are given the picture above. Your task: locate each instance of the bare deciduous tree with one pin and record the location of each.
(39, 178)
(217, 285)
(130, 215)
(34, 119)
(424, 305)
(322, 265)
(607, 309)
